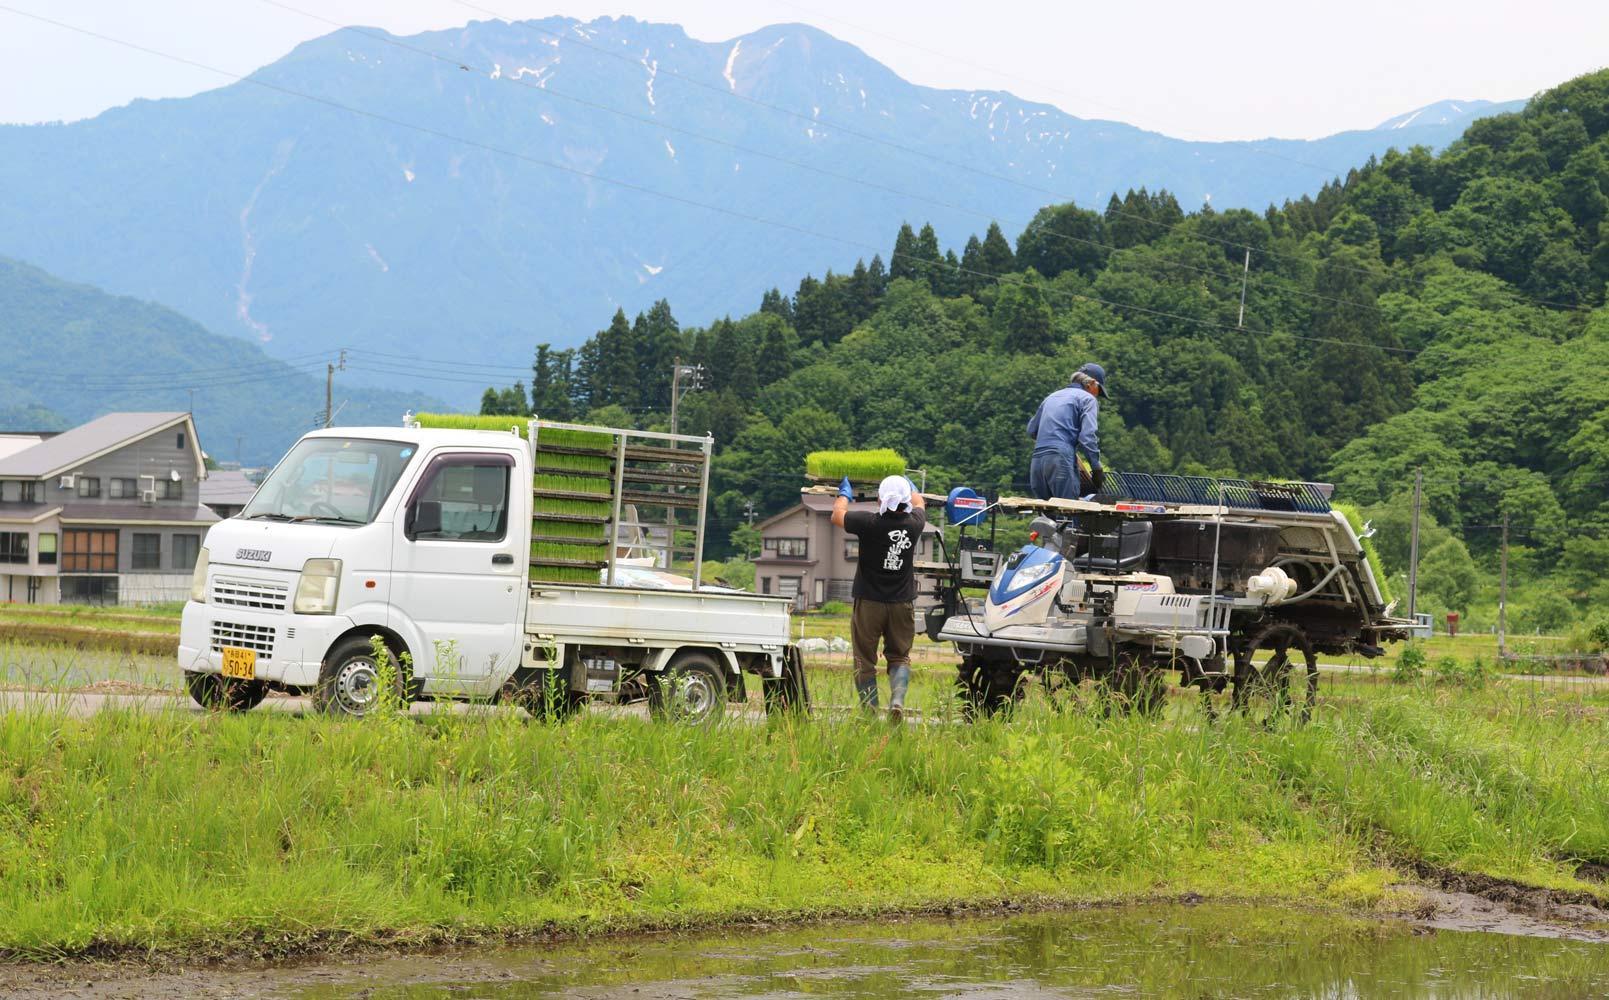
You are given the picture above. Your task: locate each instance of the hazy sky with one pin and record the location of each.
(1236, 69)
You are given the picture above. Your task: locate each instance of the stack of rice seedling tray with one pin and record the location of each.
(572, 504)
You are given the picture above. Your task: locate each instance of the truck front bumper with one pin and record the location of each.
(290, 648)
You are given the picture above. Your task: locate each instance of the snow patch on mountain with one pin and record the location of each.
(731, 60)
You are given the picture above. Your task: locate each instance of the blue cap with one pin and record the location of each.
(1097, 373)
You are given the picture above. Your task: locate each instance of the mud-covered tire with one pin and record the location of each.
(349, 680)
(1280, 690)
(218, 693)
(987, 689)
(544, 695)
(691, 691)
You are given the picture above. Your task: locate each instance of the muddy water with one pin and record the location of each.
(1173, 951)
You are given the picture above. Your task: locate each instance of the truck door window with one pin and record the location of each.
(462, 499)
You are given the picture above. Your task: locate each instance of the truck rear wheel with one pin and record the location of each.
(352, 680)
(218, 693)
(692, 690)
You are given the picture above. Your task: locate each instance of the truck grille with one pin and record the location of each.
(260, 595)
(258, 637)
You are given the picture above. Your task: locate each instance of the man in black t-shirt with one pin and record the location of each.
(885, 585)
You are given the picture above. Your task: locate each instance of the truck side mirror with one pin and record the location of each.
(424, 518)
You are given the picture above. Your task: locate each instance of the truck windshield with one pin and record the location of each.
(336, 480)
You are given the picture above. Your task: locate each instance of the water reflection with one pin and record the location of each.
(1174, 952)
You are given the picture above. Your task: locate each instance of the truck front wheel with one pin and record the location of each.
(219, 693)
(692, 690)
(354, 681)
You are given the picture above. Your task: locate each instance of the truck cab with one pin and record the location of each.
(416, 536)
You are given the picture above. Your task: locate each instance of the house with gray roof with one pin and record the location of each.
(109, 512)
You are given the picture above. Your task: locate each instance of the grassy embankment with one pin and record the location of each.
(134, 829)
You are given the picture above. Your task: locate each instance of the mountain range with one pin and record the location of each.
(465, 194)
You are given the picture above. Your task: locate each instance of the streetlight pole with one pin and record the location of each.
(694, 374)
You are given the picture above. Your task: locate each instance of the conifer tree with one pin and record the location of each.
(903, 264)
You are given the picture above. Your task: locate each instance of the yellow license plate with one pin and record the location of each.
(240, 664)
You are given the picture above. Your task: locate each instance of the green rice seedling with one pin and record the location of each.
(1354, 517)
(560, 506)
(574, 484)
(556, 437)
(558, 461)
(563, 574)
(581, 530)
(598, 552)
(469, 422)
(861, 466)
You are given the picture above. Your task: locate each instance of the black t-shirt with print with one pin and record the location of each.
(886, 568)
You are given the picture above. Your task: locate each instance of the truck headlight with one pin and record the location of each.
(319, 587)
(198, 578)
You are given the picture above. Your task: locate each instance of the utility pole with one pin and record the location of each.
(694, 374)
(1244, 274)
(1413, 544)
(329, 387)
(748, 510)
(1502, 598)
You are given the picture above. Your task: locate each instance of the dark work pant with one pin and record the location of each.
(895, 624)
(1054, 475)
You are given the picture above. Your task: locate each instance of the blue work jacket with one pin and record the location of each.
(1066, 421)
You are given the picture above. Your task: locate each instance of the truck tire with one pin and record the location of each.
(349, 680)
(788, 694)
(218, 693)
(692, 690)
(544, 695)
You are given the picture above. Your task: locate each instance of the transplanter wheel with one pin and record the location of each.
(1138, 685)
(1276, 689)
(987, 688)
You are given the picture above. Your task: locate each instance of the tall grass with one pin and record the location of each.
(146, 829)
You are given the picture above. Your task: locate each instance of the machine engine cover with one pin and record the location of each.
(1026, 588)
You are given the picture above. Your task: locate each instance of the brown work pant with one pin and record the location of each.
(895, 624)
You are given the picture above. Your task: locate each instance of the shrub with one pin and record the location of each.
(1410, 665)
(835, 608)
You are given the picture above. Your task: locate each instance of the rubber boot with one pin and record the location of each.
(899, 679)
(868, 694)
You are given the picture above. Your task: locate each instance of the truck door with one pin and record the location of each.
(457, 572)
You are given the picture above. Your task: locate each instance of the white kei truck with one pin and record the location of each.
(480, 565)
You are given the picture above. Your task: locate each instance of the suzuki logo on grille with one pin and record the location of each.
(254, 555)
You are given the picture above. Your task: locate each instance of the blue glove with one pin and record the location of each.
(846, 491)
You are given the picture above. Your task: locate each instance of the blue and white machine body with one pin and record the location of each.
(1026, 588)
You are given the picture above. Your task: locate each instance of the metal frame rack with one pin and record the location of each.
(640, 472)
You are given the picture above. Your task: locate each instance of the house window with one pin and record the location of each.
(851, 548)
(30, 492)
(89, 589)
(185, 550)
(10, 491)
(788, 586)
(765, 585)
(13, 546)
(178, 440)
(172, 489)
(147, 551)
(86, 550)
(89, 486)
(47, 548)
(788, 548)
(122, 489)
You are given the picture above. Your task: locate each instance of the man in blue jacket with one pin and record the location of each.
(1067, 453)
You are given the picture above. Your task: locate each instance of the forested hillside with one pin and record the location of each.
(1434, 312)
(74, 353)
